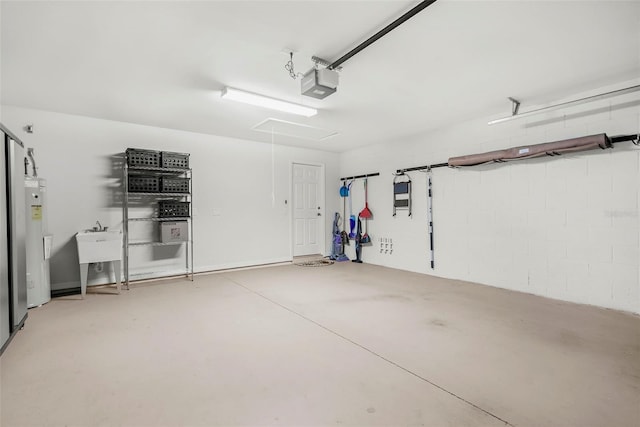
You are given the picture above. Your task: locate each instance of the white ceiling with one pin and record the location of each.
(164, 63)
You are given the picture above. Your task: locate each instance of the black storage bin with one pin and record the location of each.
(175, 185)
(144, 184)
(173, 209)
(175, 160)
(143, 158)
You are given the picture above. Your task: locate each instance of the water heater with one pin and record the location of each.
(38, 242)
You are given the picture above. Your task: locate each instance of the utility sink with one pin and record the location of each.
(99, 246)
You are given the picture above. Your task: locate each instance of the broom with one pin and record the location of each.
(366, 214)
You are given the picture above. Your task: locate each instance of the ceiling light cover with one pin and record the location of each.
(266, 102)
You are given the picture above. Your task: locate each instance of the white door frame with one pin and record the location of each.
(322, 224)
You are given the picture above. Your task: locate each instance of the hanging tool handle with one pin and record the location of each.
(430, 219)
(366, 194)
(350, 202)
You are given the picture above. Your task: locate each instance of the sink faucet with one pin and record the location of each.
(99, 227)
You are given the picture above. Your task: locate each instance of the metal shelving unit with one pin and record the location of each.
(148, 199)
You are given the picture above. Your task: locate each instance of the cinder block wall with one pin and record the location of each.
(564, 227)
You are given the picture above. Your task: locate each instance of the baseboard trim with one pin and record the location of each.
(168, 275)
(244, 267)
(56, 293)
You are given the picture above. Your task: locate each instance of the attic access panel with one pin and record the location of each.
(296, 130)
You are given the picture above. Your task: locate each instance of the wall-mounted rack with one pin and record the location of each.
(623, 138)
(606, 143)
(422, 168)
(368, 175)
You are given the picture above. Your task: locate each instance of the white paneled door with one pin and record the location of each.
(307, 209)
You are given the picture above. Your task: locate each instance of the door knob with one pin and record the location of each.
(319, 214)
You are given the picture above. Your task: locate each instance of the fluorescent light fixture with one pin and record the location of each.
(266, 102)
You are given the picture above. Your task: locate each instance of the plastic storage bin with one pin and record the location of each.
(175, 185)
(173, 209)
(175, 160)
(144, 184)
(142, 158)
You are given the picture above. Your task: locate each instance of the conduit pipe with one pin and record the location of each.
(33, 162)
(517, 115)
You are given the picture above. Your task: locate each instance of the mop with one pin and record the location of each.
(352, 217)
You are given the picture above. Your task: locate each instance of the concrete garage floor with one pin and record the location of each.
(340, 345)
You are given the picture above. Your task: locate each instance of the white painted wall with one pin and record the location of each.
(564, 228)
(240, 219)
